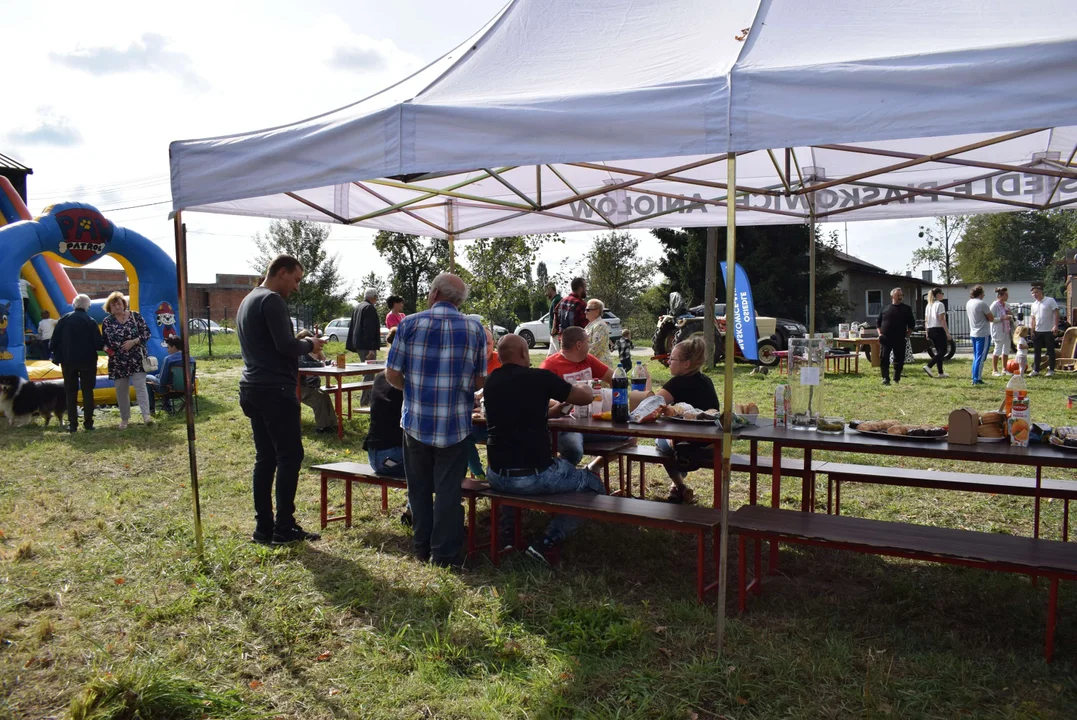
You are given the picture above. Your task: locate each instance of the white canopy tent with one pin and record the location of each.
(564, 115)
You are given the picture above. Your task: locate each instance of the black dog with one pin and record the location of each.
(20, 400)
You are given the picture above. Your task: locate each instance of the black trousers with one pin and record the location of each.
(889, 345)
(278, 450)
(1039, 341)
(937, 336)
(434, 476)
(76, 379)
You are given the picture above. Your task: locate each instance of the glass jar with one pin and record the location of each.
(807, 367)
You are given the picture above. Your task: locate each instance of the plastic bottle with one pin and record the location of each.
(596, 397)
(639, 377)
(620, 396)
(1016, 384)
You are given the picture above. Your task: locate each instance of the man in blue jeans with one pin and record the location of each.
(439, 360)
(518, 400)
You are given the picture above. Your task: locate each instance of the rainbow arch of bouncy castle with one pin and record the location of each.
(74, 234)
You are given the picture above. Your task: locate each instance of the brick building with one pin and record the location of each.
(222, 297)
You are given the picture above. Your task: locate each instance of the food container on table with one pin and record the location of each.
(802, 421)
(832, 425)
(781, 406)
(1020, 422)
(807, 368)
(843, 330)
(342, 361)
(607, 400)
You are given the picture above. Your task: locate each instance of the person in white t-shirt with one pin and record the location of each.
(1043, 322)
(980, 319)
(1000, 331)
(45, 329)
(938, 332)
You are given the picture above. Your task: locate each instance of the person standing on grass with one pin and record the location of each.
(895, 325)
(623, 346)
(396, 311)
(364, 334)
(74, 347)
(938, 331)
(598, 332)
(126, 335)
(1000, 331)
(980, 319)
(45, 328)
(554, 297)
(1043, 322)
(571, 311)
(438, 360)
(267, 395)
(517, 404)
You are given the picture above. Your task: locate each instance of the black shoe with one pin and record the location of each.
(73, 430)
(294, 534)
(405, 518)
(325, 430)
(262, 538)
(886, 381)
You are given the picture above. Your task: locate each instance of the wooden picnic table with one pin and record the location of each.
(1034, 456)
(857, 344)
(367, 369)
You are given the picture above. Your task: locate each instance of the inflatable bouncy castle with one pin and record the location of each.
(73, 234)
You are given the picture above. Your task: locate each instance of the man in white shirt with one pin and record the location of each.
(45, 329)
(1043, 323)
(25, 286)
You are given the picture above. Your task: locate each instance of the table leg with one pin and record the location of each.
(1065, 520)
(753, 471)
(347, 503)
(806, 490)
(1036, 513)
(775, 497)
(324, 515)
(338, 393)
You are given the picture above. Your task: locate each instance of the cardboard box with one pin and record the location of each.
(964, 427)
(1020, 423)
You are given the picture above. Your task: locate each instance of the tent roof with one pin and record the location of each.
(564, 115)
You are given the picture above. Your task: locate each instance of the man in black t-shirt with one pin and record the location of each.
(895, 324)
(518, 400)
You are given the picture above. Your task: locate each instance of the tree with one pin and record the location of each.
(940, 246)
(501, 284)
(413, 263)
(615, 274)
(1016, 246)
(372, 280)
(775, 257)
(322, 291)
(542, 276)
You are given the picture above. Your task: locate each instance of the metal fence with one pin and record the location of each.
(958, 322)
(213, 333)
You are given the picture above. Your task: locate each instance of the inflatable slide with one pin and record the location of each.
(73, 234)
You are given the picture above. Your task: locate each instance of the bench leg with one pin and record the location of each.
(385, 498)
(642, 481)
(701, 563)
(621, 474)
(349, 405)
(1052, 607)
(775, 499)
(471, 526)
(829, 495)
(347, 503)
(324, 513)
(1065, 520)
(757, 567)
(837, 497)
(495, 546)
(742, 573)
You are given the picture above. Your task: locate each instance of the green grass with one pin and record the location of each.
(104, 613)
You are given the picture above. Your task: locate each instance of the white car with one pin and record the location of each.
(538, 331)
(499, 332)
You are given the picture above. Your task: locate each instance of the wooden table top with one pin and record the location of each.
(349, 369)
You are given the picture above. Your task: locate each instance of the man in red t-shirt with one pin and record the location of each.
(576, 365)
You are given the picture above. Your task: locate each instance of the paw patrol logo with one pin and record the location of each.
(85, 233)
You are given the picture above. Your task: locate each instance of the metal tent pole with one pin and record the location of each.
(451, 225)
(181, 282)
(727, 406)
(811, 270)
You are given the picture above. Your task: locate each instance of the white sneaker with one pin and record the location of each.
(123, 424)
(928, 371)
(996, 374)
(943, 375)
(1034, 373)
(1050, 373)
(148, 420)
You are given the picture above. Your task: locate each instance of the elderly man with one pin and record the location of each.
(267, 397)
(364, 335)
(1043, 322)
(575, 365)
(75, 342)
(439, 360)
(517, 401)
(895, 324)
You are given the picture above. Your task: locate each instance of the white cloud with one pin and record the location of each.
(47, 129)
(147, 54)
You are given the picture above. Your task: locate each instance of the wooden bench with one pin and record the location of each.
(351, 387)
(837, 473)
(1052, 559)
(603, 453)
(351, 472)
(644, 454)
(689, 519)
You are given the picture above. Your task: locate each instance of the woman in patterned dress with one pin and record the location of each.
(598, 332)
(126, 335)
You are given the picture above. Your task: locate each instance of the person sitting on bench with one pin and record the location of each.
(518, 450)
(312, 395)
(384, 443)
(688, 385)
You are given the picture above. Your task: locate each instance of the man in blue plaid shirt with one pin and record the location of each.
(439, 360)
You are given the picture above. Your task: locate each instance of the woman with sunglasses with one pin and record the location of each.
(598, 332)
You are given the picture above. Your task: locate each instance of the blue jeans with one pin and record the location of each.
(378, 458)
(570, 444)
(474, 462)
(979, 357)
(560, 477)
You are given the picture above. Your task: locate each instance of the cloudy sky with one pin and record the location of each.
(94, 98)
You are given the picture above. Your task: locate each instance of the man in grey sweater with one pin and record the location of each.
(267, 395)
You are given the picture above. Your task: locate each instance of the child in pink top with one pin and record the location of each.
(396, 311)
